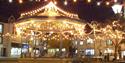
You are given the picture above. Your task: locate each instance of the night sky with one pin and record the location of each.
(86, 11)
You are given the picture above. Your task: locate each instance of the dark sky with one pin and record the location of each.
(86, 11)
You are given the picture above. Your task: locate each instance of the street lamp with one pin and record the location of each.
(117, 8)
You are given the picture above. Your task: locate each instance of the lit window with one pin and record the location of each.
(57, 49)
(81, 42)
(15, 51)
(63, 49)
(89, 41)
(1, 28)
(108, 50)
(109, 42)
(1, 31)
(1, 40)
(89, 51)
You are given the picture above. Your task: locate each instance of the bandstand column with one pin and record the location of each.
(61, 44)
(21, 46)
(34, 40)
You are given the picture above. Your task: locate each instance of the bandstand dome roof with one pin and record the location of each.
(47, 18)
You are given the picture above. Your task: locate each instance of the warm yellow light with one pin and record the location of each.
(107, 3)
(38, 0)
(88, 1)
(18, 30)
(51, 10)
(65, 3)
(31, 0)
(30, 49)
(10, 1)
(20, 1)
(55, 2)
(31, 38)
(74, 0)
(115, 0)
(98, 3)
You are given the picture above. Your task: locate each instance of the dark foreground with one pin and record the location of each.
(55, 60)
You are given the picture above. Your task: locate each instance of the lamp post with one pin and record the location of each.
(117, 8)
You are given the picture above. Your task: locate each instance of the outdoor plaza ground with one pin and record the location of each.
(56, 60)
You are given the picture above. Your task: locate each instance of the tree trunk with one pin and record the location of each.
(116, 52)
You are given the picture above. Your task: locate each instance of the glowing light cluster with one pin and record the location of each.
(10, 1)
(20, 1)
(72, 28)
(98, 3)
(74, 0)
(65, 2)
(38, 0)
(117, 8)
(115, 0)
(88, 1)
(107, 3)
(54, 29)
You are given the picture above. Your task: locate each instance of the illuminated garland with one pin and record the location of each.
(50, 10)
(66, 1)
(106, 33)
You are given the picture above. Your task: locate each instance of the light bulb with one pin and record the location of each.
(10, 1)
(65, 3)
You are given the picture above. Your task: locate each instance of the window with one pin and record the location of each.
(1, 28)
(108, 50)
(109, 42)
(1, 41)
(15, 51)
(89, 52)
(89, 41)
(81, 42)
(1, 31)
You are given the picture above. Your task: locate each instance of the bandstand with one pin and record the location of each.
(48, 32)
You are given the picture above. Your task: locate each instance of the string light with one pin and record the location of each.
(20, 1)
(55, 2)
(98, 3)
(50, 10)
(107, 32)
(115, 1)
(108, 29)
(88, 1)
(10, 1)
(38, 0)
(65, 2)
(53, 10)
(30, 0)
(107, 3)
(74, 0)
(45, 0)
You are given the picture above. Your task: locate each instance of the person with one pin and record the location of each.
(100, 53)
(70, 51)
(105, 57)
(108, 57)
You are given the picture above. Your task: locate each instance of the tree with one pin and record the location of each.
(115, 33)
